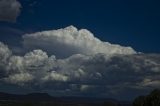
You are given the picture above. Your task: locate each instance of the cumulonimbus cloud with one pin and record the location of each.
(83, 75)
(72, 41)
(9, 10)
(112, 72)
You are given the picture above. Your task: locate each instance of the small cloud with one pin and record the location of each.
(9, 10)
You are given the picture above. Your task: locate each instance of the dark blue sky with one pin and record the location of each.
(133, 23)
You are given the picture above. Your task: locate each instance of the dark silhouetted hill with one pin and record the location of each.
(44, 99)
(153, 99)
(28, 97)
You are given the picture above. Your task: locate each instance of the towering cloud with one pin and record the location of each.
(5, 53)
(91, 67)
(72, 41)
(9, 10)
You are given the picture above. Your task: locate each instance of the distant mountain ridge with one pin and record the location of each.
(44, 97)
(47, 97)
(27, 97)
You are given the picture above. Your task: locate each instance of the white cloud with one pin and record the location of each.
(84, 75)
(19, 79)
(54, 76)
(4, 52)
(84, 88)
(72, 41)
(16, 64)
(9, 10)
(151, 82)
(35, 59)
(91, 67)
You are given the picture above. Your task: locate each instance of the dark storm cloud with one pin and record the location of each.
(9, 10)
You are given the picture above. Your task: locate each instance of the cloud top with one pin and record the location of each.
(72, 41)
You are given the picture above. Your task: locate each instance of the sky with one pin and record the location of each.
(80, 48)
(130, 23)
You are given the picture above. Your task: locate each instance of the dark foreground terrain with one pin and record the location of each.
(153, 99)
(43, 99)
